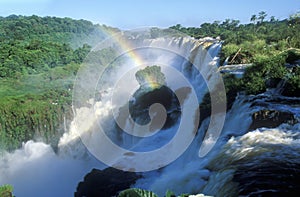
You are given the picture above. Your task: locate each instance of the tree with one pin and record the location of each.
(261, 16)
(6, 190)
(253, 19)
(294, 19)
(272, 19)
(177, 27)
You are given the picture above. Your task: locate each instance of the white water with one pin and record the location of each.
(36, 170)
(213, 174)
(189, 174)
(169, 53)
(278, 145)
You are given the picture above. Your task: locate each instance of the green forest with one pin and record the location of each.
(39, 59)
(40, 56)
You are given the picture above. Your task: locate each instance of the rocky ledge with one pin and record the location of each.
(271, 119)
(105, 183)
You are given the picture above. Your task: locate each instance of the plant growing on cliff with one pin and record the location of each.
(135, 192)
(151, 75)
(263, 70)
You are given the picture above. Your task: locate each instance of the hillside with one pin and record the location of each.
(39, 58)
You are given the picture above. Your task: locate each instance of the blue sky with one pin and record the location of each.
(129, 14)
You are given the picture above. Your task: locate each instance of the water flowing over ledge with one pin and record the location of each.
(222, 172)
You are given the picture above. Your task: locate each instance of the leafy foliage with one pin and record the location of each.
(37, 56)
(33, 44)
(37, 70)
(6, 191)
(134, 192)
(263, 69)
(264, 73)
(39, 59)
(151, 74)
(261, 37)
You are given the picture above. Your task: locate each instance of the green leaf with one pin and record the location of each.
(134, 192)
(6, 191)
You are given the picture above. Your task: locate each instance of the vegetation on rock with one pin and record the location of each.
(150, 76)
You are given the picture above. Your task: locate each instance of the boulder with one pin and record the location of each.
(105, 183)
(139, 108)
(271, 119)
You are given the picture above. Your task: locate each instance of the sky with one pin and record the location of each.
(131, 14)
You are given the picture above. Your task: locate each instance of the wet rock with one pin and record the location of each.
(139, 109)
(105, 183)
(271, 119)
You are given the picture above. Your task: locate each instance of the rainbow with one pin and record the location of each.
(151, 82)
(126, 47)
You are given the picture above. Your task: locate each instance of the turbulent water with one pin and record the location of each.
(262, 161)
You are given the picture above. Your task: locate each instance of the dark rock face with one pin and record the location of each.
(292, 88)
(272, 83)
(291, 91)
(105, 183)
(139, 109)
(271, 119)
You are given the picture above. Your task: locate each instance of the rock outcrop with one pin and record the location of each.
(105, 183)
(271, 119)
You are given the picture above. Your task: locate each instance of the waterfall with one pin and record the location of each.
(253, 160)
(216, 157)
(187, 64)
(225, 170)
(190, 171)
(280, 87)
(37, 169)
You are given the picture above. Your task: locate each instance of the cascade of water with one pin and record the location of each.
(35, 168)
(280, 86)
(235, 151)
(190, 171)
(247, 165)
(177, 58)
(39, 163)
